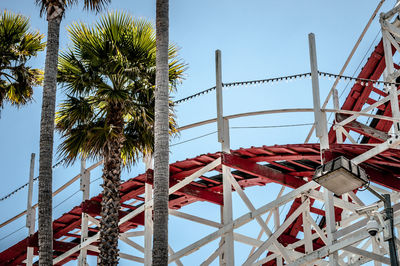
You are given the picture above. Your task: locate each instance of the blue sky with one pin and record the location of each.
(258, 39)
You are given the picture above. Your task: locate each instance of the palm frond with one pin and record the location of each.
(17, 46)
(111, 66)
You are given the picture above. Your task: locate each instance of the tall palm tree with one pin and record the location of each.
(109, 76)
(161, 154)
(54, 10)
(17, 46)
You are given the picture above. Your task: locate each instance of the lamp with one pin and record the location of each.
(340, 176)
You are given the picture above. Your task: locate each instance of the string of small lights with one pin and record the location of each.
(361, 81)
(26, 184)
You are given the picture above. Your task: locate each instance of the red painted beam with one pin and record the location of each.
(262, 171)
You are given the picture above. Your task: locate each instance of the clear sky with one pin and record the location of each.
(258, 39)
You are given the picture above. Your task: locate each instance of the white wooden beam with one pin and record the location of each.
(194, 218)
(249, 205)
(276, 234)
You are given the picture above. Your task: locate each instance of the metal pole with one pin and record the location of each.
(394, 261)
(223, 138)
(30, 217)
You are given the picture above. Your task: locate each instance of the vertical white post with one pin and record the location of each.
(336, 106)
(330, 225)
(277, 221)
(148, 216)
(319, 116)
(223, 138)
(85, 188)
(375, 249)
(307, 228)
(31, 213)
(394, 101)
(322, 134)
(218, 86)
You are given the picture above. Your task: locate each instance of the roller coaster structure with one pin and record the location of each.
(340, 238)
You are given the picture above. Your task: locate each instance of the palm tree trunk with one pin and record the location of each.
(46, 144)
(161, 146)
(110, 201)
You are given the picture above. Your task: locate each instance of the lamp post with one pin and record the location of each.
(341, 176)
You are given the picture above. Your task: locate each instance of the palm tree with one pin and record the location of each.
(17, 46)
(161, 146)
(109, 76)
(54, 10)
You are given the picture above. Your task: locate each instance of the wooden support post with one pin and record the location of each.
(31, 212)
(223, 138)
(330, 225)
(319, 116)
(218, 86)
(85, 188)
(394, 102)
(307, 228)
(336, 105)
(148, 215)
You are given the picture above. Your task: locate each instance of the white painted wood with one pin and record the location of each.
(148, 215)
(133, 234)
(319, 117)
(171, 252)
(388, 15)
(307, 227)
(348, 136)
(132, 243)
(375, 249)
(86, 243)
(267, 220)
(85, 188)
(276, 234)
(330, 225)
(355, 198)
(394, 102)
(249, 205)
(94, 220)
(194, 218)
(228, 255)
(213, 255)
(31, 212)
(362, 112)
(175, 188)
(336, 201)
(320, 233)
(218, 86)
(392, 142)
(373, 256)
(247, 240)
(242, 220)
(286, 110)
(336, 105)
